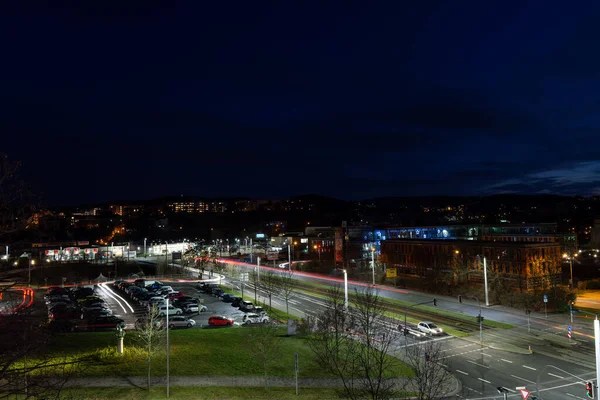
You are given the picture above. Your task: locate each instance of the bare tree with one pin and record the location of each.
(431, 380)
(26, 368)
(356, 345)
(17, 202)
(264, 342)
(269, 283)
(151, 333)
(287, 287)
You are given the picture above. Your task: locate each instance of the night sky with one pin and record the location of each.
(343, 99)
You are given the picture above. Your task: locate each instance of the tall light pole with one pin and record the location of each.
(31, 262)
(289, 257)
(167, 347)
(345, 290)
(485, 282)
(144, 247)
(571, 262)
(373, 263)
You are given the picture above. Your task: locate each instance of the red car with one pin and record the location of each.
(217, 320)
(175, 295)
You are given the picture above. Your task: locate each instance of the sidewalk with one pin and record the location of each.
(251, 381)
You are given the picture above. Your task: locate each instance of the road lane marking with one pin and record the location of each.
(556, 376)
(483, 380)
(461, 372)
(575, 397)
(502, 359)
(510, 390)
(523, 379)
(481, 365)
(487, 355)
(528, 367)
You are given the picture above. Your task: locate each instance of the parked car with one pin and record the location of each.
(64, 314)
(259, 311)
(163, 310)
(227, 297)
(141, 322)
(175, 295)
(96, 312)
(208, 287)
(429, 328)
(218, 320)
(98, 324)
(190, 308)
(185, 299)
(218, 292)
(253, 318)
(236, 301)
(246, 305)
(180, 322)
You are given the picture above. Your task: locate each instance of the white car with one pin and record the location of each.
(255, 319)
(180, 322)
(190, 308)
(162, 310)
(429, 328)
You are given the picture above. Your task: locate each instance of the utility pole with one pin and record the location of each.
(289, 258)
(168, 381)
(144, 247)
(345, 290)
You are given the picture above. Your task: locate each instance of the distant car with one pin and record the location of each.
(180, 322)
(246, 306)
(218, 320)
(253, 318)
(140, 323)
(227, 297)
(429, 327)
(190, 308)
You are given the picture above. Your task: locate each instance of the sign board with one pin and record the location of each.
(260, 235)
(244, 277)
(390, 273)
(176, 255)
(303, 240)
(525, 393)
(296, 361)
(272, 255)
(545, 298)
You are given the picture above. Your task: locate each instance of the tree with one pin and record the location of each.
(151, 333)
(26, 371)
(356, 345)
(287, 287)
(264, 342)
(269, 283)
(431, 379)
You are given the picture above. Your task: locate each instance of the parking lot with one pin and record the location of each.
(130, 310)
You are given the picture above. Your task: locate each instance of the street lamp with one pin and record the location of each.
(571, 262)
(373, 263)
(345, 291)
(31, 262)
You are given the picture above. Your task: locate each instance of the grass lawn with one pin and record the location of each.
(208, 352)
(201, 393)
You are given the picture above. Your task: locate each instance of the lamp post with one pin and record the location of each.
(485, 282)
(31, 262)
(167, 313)
(373, 263)
(571, 264)
(289, 257)
(145, 247)
(345, 291)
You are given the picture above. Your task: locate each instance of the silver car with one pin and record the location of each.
(179, 321)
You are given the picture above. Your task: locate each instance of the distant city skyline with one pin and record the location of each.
(106, 102)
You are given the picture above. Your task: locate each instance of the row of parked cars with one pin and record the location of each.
(155, 294)
(79, 309)
(254, 315)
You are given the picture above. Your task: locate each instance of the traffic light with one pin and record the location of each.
(435, 302)
(589, 390)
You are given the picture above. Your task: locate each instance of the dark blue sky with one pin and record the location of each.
(345, 99)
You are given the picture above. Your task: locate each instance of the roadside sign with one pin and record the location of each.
(525, 393)
(545, 298)
(569, 334)
(296, 362)
(272, 255)
(390, 273)
(569, 328)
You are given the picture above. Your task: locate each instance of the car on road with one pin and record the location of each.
(430, 328)
(252, 318)
(219, 320)
(180, 322)
(163, 310)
